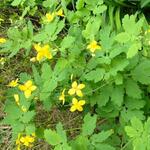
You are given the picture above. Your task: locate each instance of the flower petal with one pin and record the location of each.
(73, 108)
(33, 87)
(81, 102)
(74, 84)
(79, 108)
(27, 93)
(22, 87)
(81, 86)
(79, 93)
(74, 101)
(37, 47)
(71, 91)
(28, 83)
(39, 56)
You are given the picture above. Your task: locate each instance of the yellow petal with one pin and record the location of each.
(33, 87)
(30, 139)
(81, 86)
(71, 91)
(79, 108)
(22, 87)
(28, 83)
(49, 17)
(60, 13)
(22, 139)
(48, 55)
(81, 102)
(27, 93)
(13, 83)
(37, 47)
(79, 93)
(74, 101)
(73, 108)
(39, 56)
(74, 84)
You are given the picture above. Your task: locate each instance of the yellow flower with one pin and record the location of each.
(27, 140)
(2, 40)
(16, 97)
(93, 46)
(13, 83)
(60, 13)
(27, 88)
(43, 52)
(24, 109)
(62, 96)
(77, 105)
(76, 89)
(50, 17)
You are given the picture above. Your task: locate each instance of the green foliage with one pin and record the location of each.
(92, 42)
(139, 134)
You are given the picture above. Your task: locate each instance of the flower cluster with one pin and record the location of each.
(27, 88)
(25, 140)
(50, 16)
(76, 89)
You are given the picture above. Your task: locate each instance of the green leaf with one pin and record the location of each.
(137, 124)
(30, 128)
(122, 37)
(99, 9)
(144, 3)
(41, 36)
(79, 4)
(101, 137)
(132, 103)
(80, 143)
(95, 75)
(131, 26)
(49, 85)
(133, 50)
(117, 95)
(141, 72)
(117, 65)
(89, 124)
(46, 72)
(131, 132)
(60, 66)
(92, 28)
(52, 137)
(49, 3)
(36, 75)
(67, 42)
(16, 2)
(104, 95)
(133, 89)
(104, 147)
(61, 132)
(27, 117)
